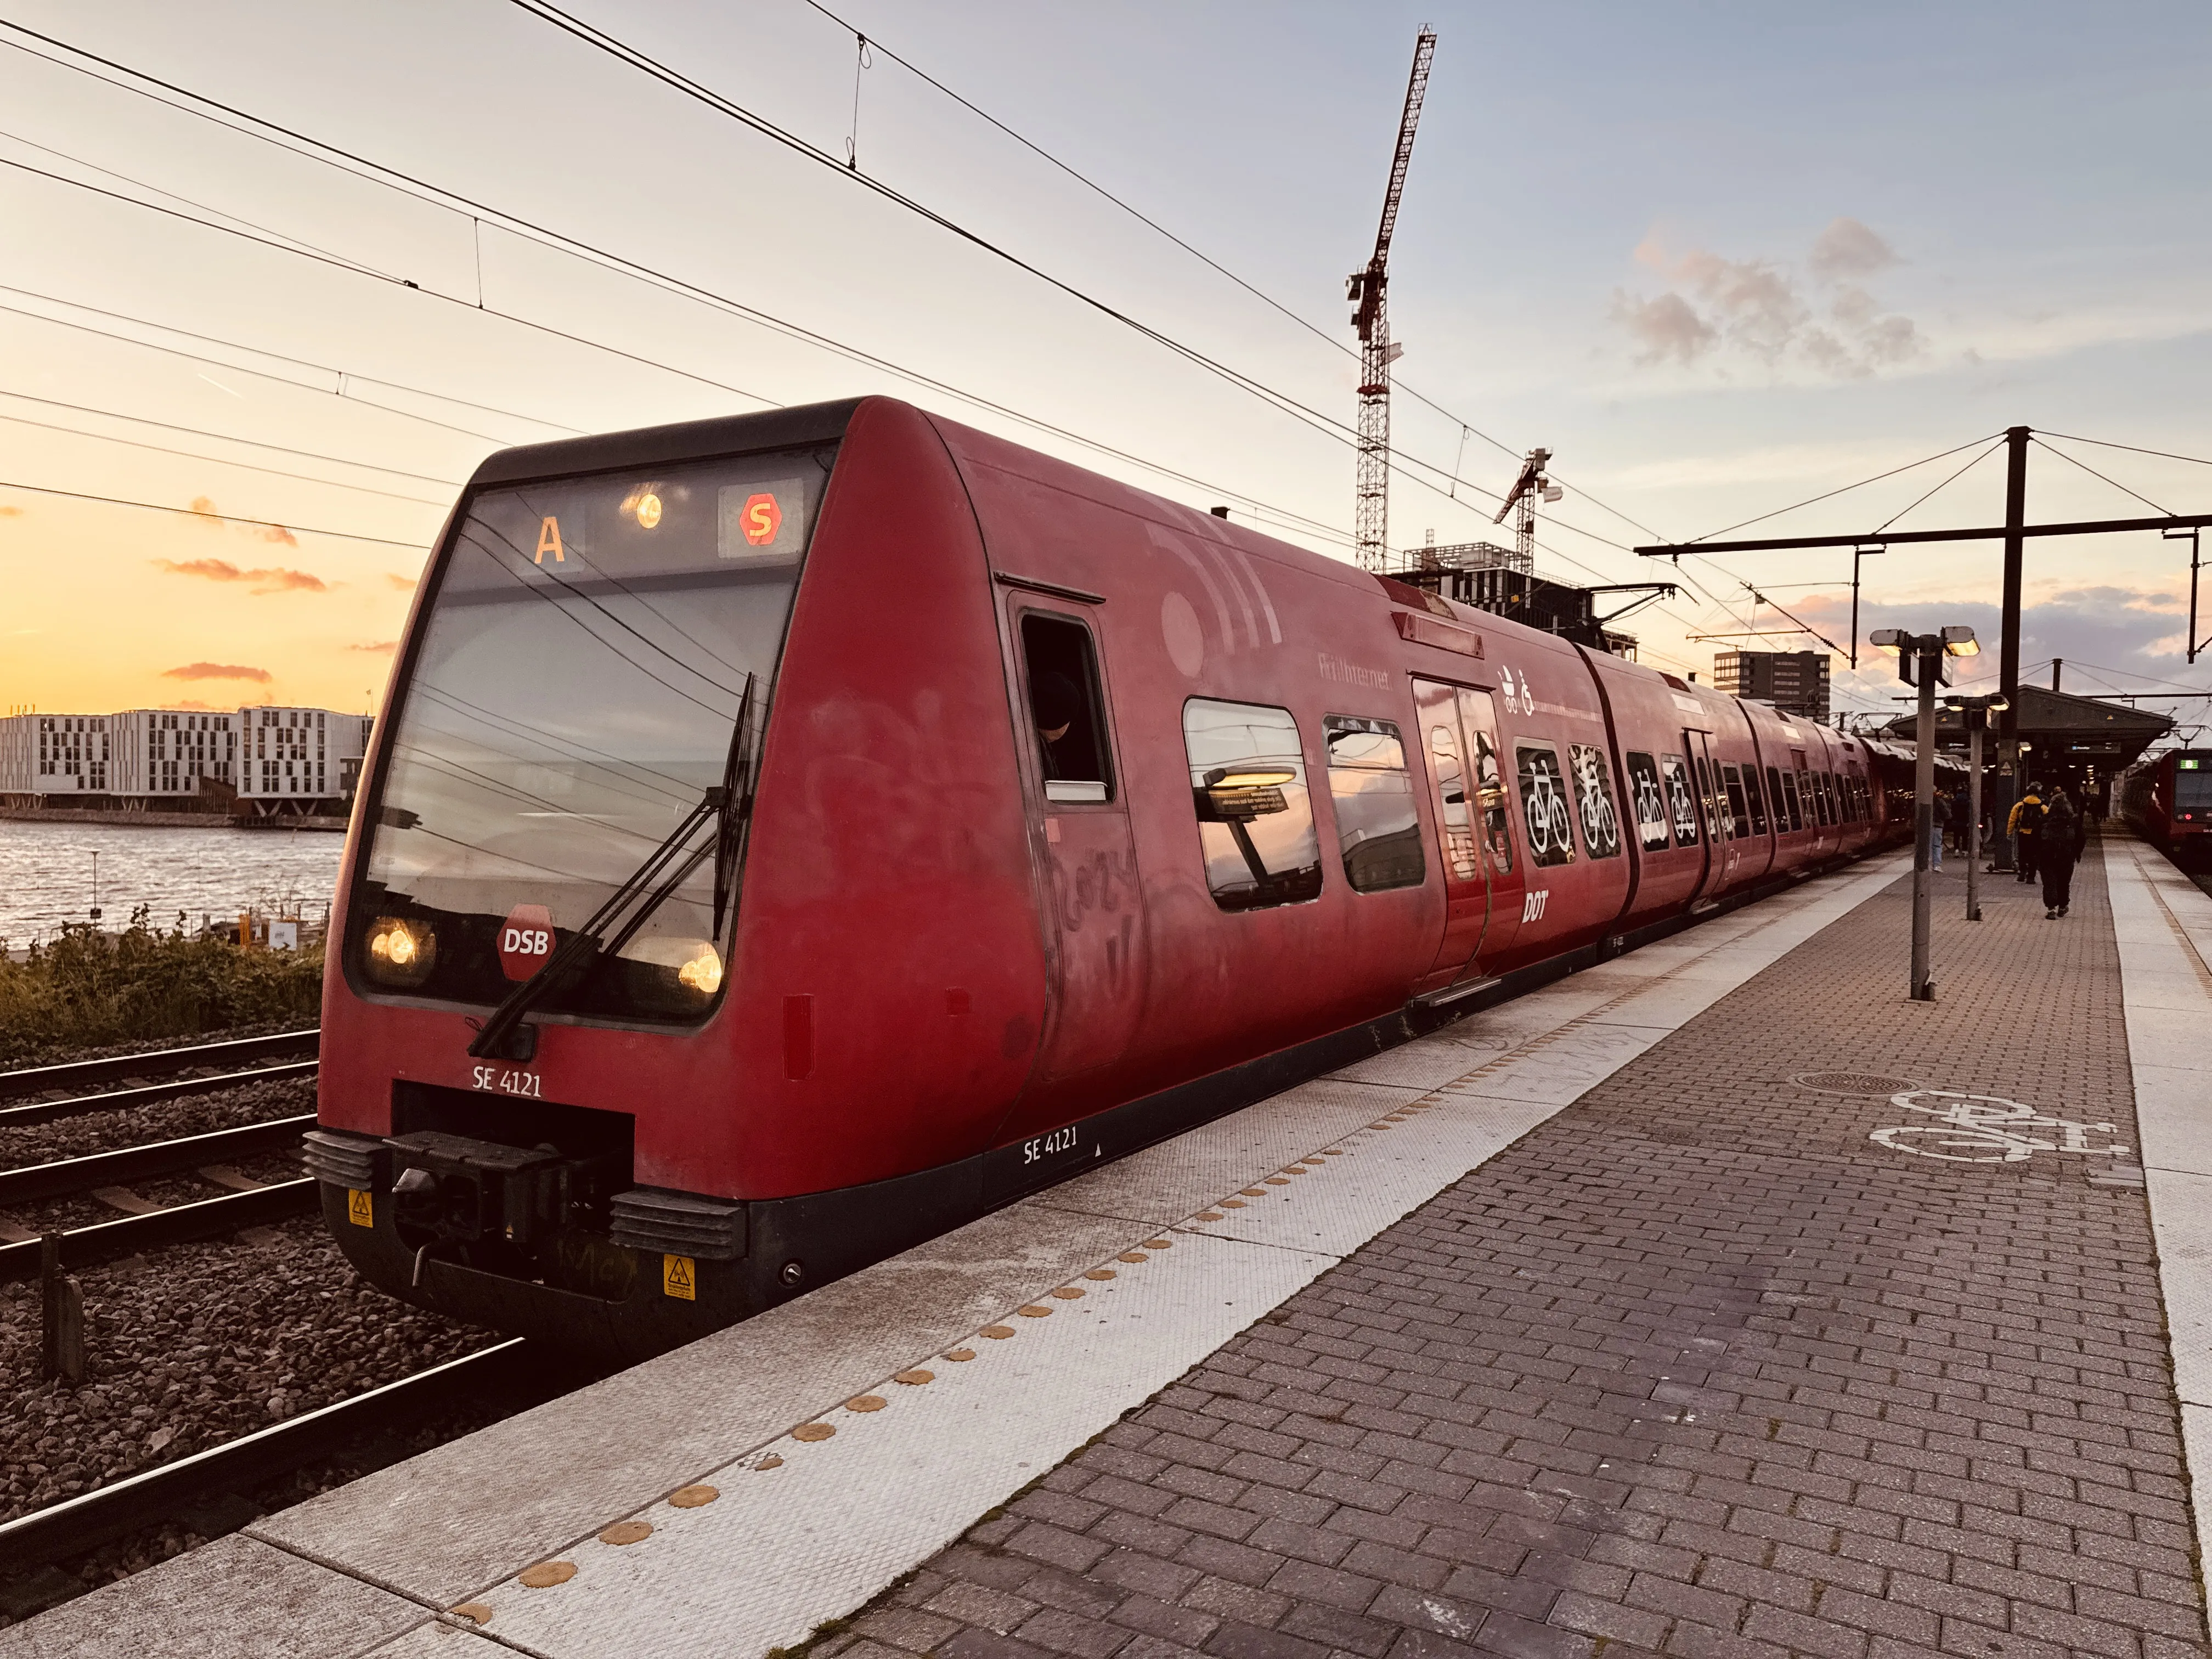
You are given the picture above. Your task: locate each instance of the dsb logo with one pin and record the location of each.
(526, 941)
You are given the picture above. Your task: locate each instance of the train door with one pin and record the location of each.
(1720, 850)
(1093, 901)
(1483, 885)
(1493, 825)
(1457, 802)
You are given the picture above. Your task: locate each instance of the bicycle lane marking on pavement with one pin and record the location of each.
(2167, 998)
(1985, 1129)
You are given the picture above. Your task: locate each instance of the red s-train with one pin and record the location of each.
(792, 835)
(2168, 799)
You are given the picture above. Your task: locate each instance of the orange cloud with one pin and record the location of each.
(383, 650)
(204, 509)
(404, 584)
(17, 513)
(274, 580)
(217, 671)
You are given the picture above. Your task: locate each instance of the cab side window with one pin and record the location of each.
(1376, 825)
(1066, 712)
(1255, 828)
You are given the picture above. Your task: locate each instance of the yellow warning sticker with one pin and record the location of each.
(361, 1208)
(680, 1277)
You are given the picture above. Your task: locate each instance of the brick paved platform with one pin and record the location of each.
(1696, 1368)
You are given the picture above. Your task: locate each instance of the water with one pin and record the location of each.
(45, 874)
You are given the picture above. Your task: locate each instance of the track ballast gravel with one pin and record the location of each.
(196, 1345)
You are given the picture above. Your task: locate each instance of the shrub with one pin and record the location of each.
(87, 989)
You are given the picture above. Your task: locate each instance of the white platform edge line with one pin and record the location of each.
(2157, 915)
(1796, 917)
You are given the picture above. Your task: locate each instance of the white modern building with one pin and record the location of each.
(273, 760)
(293, 758)
(162, 754)
(62, 754)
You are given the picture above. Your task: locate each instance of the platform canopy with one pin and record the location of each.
(2057, 728)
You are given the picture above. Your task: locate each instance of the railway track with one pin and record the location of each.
(110, 1240)
(82, 1075)
(507, 1375)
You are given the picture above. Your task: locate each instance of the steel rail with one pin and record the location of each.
(49, 1111)
(141, 1500)
(76, 1073)
(77, 1174)
(110, 1240)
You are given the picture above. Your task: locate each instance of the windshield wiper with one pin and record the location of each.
(503, 1035)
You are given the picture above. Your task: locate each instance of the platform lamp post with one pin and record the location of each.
(1921, 661)
(1976, 712)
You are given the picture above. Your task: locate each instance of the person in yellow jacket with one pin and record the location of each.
(2025, 826)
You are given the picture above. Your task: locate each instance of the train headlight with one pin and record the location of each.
(703, 972)
(400, 952)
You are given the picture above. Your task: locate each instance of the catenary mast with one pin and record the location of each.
(1367, 289)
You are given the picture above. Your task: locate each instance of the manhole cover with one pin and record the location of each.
(1854, 1083)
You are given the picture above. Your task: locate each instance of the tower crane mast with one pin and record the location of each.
(1368, 290)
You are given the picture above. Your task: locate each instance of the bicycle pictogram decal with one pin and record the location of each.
(1986, 1130)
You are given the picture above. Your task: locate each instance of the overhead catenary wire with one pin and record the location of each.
(225, 437)
(214, 460)
(346, 379)
(1333, 341)
(224, 518)
(302, 144)
(1329, 425)
(2100, 478)
(1830, 495)
(2133, 449)
(1939, 488)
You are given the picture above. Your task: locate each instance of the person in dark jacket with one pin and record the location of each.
(2027, 818)
(2059, 843)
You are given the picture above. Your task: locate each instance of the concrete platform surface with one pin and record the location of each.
(1761, 1347)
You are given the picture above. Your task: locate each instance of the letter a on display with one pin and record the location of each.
(549, 541)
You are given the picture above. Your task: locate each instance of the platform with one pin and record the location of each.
(1635, 1313)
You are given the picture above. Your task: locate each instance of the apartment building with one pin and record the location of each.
(272, 759)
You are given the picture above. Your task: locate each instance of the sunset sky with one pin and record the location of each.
(1718, 258)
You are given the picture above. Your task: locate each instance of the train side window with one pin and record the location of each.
(1821, 797)
(1649, 799)
(1255, 828)
(1789, 798)
(1739, 811)
(1830, 795)
(1065, 709)
(1751, 794)
(1593, 800)
(1376, 827)
(1774, 794)
(1544, 812)
(1682, 805)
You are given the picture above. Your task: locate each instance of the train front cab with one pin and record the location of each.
(627, 1177)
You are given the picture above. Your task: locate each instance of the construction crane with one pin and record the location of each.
(1531, 485)
(1367, 288)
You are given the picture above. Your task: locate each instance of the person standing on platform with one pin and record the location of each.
(1939, 827)
(2026, 819)
(2060, 835)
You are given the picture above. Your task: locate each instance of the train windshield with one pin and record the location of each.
(2193, 785)
(575, 689)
